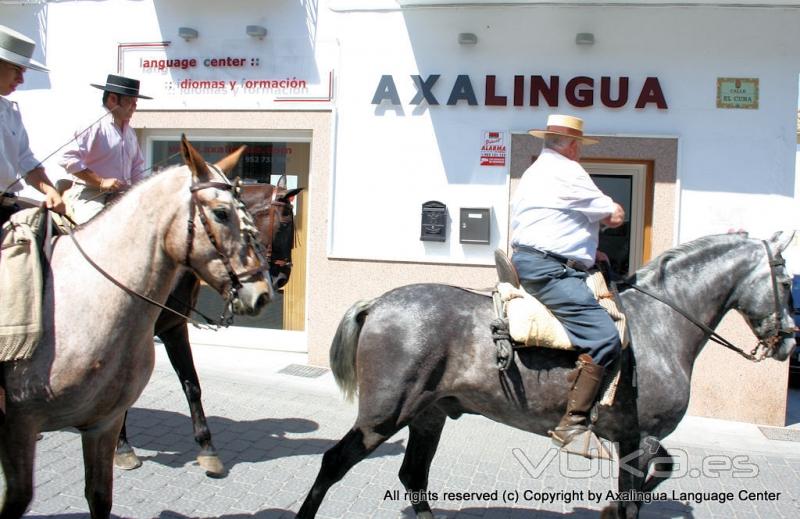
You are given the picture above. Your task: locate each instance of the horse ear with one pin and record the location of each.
(781, 240)
(281, 182)
(228, 163)
(192, 158)
(292, 192)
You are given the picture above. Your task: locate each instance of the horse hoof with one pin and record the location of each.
(426, 515)
(127, 461)
(212, 465)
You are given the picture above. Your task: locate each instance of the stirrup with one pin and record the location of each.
(585, 443)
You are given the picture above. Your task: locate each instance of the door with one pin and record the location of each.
(630, 185)
(264, 162)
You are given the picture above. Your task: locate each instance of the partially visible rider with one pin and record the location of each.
(105, 158)
(16, 159)
(556, 215)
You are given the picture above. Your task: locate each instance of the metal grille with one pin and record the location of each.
(301, 370)
(781, 433)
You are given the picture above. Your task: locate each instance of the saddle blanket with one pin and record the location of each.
(21, 284)
(530, 323)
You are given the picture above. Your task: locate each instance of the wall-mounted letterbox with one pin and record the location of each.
(434, 221)
(475, 225)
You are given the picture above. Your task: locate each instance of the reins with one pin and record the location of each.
(713, 336)
(226, 319)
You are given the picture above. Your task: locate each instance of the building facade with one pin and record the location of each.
(389, 112)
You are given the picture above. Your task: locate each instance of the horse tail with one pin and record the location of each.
(345, 345)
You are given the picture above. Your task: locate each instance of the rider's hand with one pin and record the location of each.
(615, 219)
(53, 201)
(111, 184)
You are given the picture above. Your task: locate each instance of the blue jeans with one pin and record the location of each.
(563, 290)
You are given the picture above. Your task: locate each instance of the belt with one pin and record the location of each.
(571, 263)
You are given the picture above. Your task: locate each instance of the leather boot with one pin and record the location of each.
(586, 380)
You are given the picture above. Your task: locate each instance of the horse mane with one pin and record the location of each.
(656, 270)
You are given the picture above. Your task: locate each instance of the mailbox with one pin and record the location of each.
(434, 221)
(475, 225)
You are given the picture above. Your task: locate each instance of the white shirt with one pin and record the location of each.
(106, 150)
(557, 208)
(16, 158)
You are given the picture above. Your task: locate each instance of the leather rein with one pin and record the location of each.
(248, 228)
(765, 345)
(274, 207)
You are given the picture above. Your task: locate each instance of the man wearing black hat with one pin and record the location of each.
(106, 157)
(16, 159)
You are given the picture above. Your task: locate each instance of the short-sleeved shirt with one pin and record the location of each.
(107, 150)
(16, 158)
(557, 208)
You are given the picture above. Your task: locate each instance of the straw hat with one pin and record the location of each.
(121, 85)
(17, 48)
(566, 126)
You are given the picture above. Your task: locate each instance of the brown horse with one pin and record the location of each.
(96, 351)
(271, 208)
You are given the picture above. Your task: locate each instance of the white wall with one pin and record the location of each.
(736, 167)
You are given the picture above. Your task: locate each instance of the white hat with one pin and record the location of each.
(566, 126)
(17, 48)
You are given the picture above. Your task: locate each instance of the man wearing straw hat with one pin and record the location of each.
(16, 159)
(556, 215)
(106, 157)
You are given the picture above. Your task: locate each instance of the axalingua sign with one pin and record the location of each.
(534, 91)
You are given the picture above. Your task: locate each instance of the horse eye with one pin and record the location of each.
(221, 215)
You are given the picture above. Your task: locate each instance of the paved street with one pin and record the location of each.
(271, 430)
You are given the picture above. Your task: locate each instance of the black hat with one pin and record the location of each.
(121, 85)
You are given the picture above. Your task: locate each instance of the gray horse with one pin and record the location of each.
(421, 353)
(96, 351)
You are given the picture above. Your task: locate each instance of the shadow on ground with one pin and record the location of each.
(246, 441)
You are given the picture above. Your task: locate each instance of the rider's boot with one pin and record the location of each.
(573, 433)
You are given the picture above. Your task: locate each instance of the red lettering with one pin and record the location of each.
(651, 93)
(549, 92)
(491, 98)
(605, 92)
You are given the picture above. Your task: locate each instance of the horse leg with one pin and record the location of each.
(176, 342)
(662, 463)
(17, 450)
(424, 434)
(356, 445)
(635, 461)
(124, 456)
(98, 466)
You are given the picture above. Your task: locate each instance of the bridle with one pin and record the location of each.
(247, 228)
(764, 346)
(275, 208)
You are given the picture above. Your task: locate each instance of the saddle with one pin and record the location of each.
(523, 321)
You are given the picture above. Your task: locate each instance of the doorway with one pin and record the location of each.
(264, 161)
(628, 183)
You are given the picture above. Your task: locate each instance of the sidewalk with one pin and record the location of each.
(271, 429)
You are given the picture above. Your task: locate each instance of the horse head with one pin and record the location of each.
(764, 297)
(221, 241)
(271, 206)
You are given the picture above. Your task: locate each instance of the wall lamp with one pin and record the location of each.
(187, 33)
(467, 38)
(584, 38)
(256, 31)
